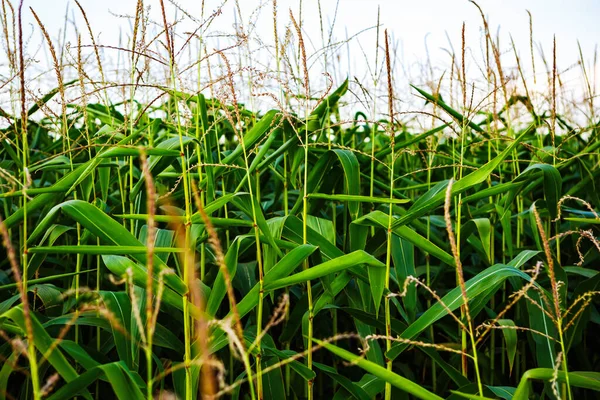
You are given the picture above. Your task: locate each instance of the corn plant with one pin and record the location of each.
(186, 245)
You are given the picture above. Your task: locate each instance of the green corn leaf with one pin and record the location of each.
(455, 114)
(103, 250)
(356, 391)
(380, 219)
(510, 339)
(484, 230)
(347, 261)
(108, 231)
(45, 279)
(329, 102)
(351, 178)
(160, 158)
(403, 256)
(492, 277)
(480, 175)
(381, 372)
(63, 186)
(120, 266)
(356, 198)
(43, 342)
(552, 184)
(219, 288)
(244, 203)
(503, 392)
(282, 269)
(587, 380)
(116, 374)
(269, 121)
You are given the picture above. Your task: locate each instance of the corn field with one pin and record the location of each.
(163, 240)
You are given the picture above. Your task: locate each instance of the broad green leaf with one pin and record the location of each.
(269, 121)
(381, 372)
(469, 396)
(43, 342)
(298, 367)
(52, 234)
(102, 250)
(587, 380)
(455, 114)
(264, 148)
(160, 158)
(292, 230)
(63, 186)
(119, 305)
(552, 183)
(583, 220)
(356, 391)
(356, 198)
(351, 178)
(120, 266)
(369, 383)
(491, 277)
(403, 256)
(219, 288)
(503, 392)
(510, 339)
(352, 260)
(329, 102)
(108, 231)
(273, 384)
(380, 219)
(323, 226)
(5, 372)
(483, 228)
(117, 374)
(46, 279)
(413, 140)
(480, 175)
(545, 347)
(244, 203)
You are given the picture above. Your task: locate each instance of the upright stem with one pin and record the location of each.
(186, 264)
(428, 277)
(302, 51)
(305, 264)
(33, 365)
(564, 358)
(374, 116)
(388, 258)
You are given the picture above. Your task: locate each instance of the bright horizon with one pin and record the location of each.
(420, 32)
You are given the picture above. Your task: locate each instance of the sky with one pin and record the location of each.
(420, 30)
(409, 21)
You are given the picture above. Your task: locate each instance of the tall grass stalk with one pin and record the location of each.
(463, 135)
(22, 282)
(187, 273)
(150, 240)
(555, 291)
(374, 113)
(388, 258)
(281, 99)
(462, 285)
(148, 227)
(254, 201)
(306, 138)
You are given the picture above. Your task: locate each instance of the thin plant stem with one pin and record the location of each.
(388, 259)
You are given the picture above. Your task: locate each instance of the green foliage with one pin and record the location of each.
(243, 268)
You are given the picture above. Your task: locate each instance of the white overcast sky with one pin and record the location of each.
(410, 21)
(414, 25)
